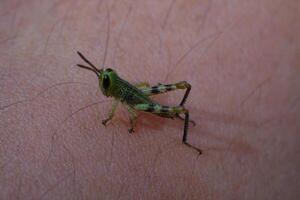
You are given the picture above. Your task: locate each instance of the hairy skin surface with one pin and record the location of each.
(241, 58)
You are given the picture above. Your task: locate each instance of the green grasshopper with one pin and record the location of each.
(136, 97)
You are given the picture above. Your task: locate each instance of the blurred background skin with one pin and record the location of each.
(242, 59)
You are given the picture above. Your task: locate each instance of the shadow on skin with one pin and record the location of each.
(232, 141)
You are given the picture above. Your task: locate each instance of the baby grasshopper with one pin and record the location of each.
(136, 97)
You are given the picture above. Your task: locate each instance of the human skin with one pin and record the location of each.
(241, 58)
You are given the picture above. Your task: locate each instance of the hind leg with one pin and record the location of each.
(170, 111)
(162, 88)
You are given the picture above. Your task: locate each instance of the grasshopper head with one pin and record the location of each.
(106, 80)
(105, 76)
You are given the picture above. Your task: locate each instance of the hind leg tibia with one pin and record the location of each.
(170, 111)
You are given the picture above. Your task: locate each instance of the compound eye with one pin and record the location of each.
(109, 70)
(105, 82)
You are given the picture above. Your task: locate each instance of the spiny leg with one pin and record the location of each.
(133, 116)
(169, 111)
(111, 112)
(185, 130)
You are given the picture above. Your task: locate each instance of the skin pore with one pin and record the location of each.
(240, 58)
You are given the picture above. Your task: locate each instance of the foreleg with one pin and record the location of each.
(133, 116)
(111, 112)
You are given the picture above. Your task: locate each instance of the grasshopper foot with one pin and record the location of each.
(131, 130)
(195, 148)
(104, 122)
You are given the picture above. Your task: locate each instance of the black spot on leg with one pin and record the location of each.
(150, 108)
(154, 90)
(169, 88)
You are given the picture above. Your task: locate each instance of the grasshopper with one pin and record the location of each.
(136, 97)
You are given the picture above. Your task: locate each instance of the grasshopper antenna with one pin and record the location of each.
(92, 68)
